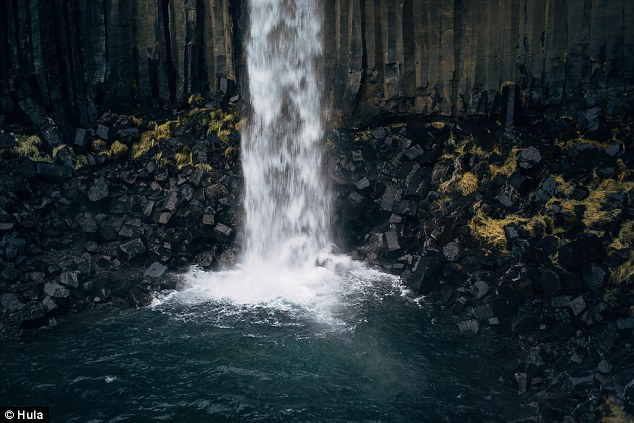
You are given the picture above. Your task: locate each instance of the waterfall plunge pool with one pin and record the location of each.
(368, 353)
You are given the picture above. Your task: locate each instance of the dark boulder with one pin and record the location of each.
(528, 157)
(98, 190)
(469, 326)
(54, 170)
(390, 239)
(221, 232)
(594, 275)
(389, 197)
(582, 251)
(11, 302)
(32, 317)
(425, 274)
(132, 249)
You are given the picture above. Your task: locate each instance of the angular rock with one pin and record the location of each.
(87, 222)
(98, 190)
(164, 218)
(208, 219)
(69, 279)
(155, 270)
(546, 190)
(482, 313)
(469, 326)
(425, 274)
(480, 289)
(528, 157)
(625, 324)
(505, 200)
(604, 367)
(171, 201)
(560, 302)
(55, 290)
(580, 252)
(414, 152)
(362, 183)
(132, 249)
(221, 232)
(31, 317)
(11, 302)
(391, 241)
(80, 137)
(379, 133)
(388, 198)
(54, 170)
(111, 226)
(103, 132)
(451, 251)
(578, 305)
(49, 304)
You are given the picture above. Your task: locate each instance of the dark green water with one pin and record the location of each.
(383, 360)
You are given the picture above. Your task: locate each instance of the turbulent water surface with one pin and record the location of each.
(373, 355)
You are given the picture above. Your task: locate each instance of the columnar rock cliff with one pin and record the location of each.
(75, 54)
(62, 58)
(451, 57)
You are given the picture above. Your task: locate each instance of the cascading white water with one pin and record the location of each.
(286, 263)
(286, 201)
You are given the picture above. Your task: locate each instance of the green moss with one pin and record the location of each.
(204, 166)
(468, 184)
(361, 136)
(80, 161)
(29, 146)
(625, 238)
(613, 412)
(183, 158)
(152, 138)
(196, 100)
(623, 272)
(508, 167)
(117, 149)
(490, 232)
(160, 160)
(99, 146)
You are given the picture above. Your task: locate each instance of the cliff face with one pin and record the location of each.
(76, 54)
(63, 58)
(451, 57)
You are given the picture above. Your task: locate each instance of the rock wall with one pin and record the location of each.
(381, 57)
(74, 55)
(451, 57)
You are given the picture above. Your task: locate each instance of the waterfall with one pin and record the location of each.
(286, 264)
(286, 201)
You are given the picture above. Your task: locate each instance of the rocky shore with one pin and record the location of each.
(522, 229)
(108, 217)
